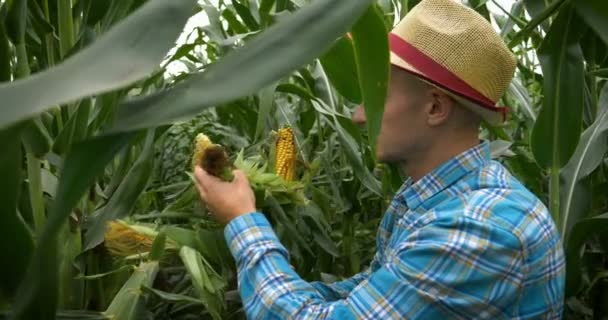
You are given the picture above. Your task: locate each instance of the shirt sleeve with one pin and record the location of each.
(340, 289)
(459, 269)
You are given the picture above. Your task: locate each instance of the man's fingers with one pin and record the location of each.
(201, 177)
(239, 176)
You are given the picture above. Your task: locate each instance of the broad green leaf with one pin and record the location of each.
(245, 14)
(105, 274)
(183, 237)
(16, 20)
(588, 156)
(557, 130)
(234, 24)
(130, 301)
(341, 68)
(581, 231)
(172, 297)
(516, 11)
(118, 10)
(286, 222)
(206, 281)
(325, 242)
(537, 8)
(215, 30)
(124, 198)
(536, 21)
(16, 243)
(481, 7)
(70, 315)
(499, 148)
(37, 295)
(595, 14)
(520, 93)
(36, 138)
(266, 104)
(5, 50)
(158, 246)
(95, 10)
(75, 129)
(125, 54)
(285, 46)
(265, 8)
(353, 154)
(370, 38)
(212, 246)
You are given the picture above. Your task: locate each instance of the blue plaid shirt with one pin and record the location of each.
(467, 241)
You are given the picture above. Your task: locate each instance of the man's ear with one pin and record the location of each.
(440, 107)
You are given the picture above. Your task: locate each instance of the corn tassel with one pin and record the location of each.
(285, 161)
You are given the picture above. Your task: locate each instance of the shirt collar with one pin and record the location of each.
(444, 176)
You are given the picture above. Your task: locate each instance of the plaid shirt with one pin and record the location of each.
(467, 241)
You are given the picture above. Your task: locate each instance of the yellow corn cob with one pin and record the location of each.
(285, 161)
(201, 143)
(211, 157)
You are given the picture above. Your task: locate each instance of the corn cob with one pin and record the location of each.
(122, 240)
(212, 158)
(285, 161)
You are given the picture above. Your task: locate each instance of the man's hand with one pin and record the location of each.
(225, 200)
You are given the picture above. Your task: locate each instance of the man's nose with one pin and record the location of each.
(359, 116)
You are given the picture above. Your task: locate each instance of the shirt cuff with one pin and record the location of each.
(247, 230)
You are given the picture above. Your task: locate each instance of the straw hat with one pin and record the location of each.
(454, 48)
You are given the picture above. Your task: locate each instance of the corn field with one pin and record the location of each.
(99, 215)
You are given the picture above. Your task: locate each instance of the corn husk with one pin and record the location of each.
(125, 240)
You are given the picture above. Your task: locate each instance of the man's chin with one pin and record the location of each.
(384, 157)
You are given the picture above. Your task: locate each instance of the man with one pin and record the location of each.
(462, 238)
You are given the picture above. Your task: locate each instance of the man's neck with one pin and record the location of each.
(436, 155)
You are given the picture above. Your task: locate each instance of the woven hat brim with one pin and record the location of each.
(490, 116)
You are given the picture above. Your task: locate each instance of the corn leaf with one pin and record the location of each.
(595, 14)
(37, 294)
(5, 50)
(212, 246)
(538, 19)
(520, 93)
(372, 55)
(123, 200)
(130, 301)
(172, 297)
(353, 154)
(70, 315)
(128, 52)
(158, 246)
(285, 46)
(16, 241)
(36, 138)
(75, 129)
(588, 156)
(266, 104)
(341, 68)
(245, 13)
(183, 237)
(557, 130)
(206, 281)
(16, 20)
(581, 231)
